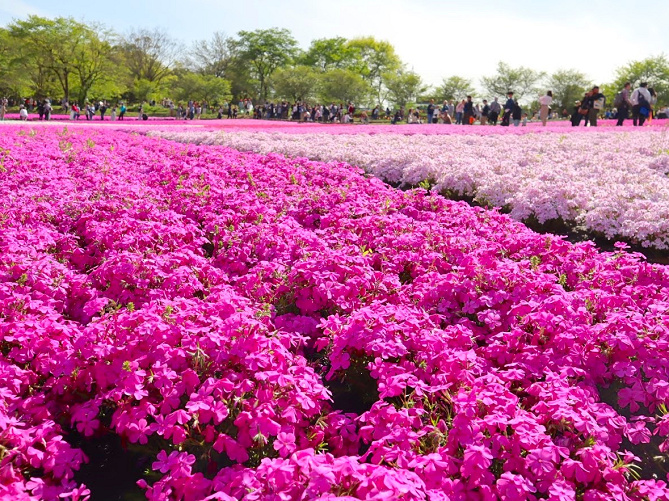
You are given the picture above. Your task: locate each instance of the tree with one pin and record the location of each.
(403, 87)
(265, 51)
(214, 56)
(97, 65)
(330, 53)
(298, 83)
(653, 70)
(149, 54)
(16, 76)
(50, 45)
(77, 56)
(374, 60)
(567, 86)
(455, 88)
(343, 86)
(199, 87)
(521, 81)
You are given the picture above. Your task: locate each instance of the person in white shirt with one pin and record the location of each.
(545, 102)
(23, 113)
(641, 99)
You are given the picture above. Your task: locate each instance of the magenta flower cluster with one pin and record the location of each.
(265, 328)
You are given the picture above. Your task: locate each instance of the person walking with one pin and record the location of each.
(623, 104)
(653, 103)
(508, 109)
(485, 111)
(516, 113)
(641, 99)
(596, 101)
(122, 110)
(430, 111)
(459, 110)
(468, 111)
(545, 102)
(103, 109)
(47, 110)
(576, 114)
(495, 110)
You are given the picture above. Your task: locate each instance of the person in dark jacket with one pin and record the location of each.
(516, 113)
(468, 111)
(430, 111)
(485, 111)
(495, 109)
(508, 109)
(594, 101)
(576, 114)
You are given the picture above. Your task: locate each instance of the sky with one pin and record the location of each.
(435, 38)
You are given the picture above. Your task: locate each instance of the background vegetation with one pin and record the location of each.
(64, 58)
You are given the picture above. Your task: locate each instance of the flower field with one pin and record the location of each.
(257, 327)
(612, 184)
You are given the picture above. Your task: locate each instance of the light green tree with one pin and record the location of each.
(653, 70)
(330, 53)
(455, 88)
(265, 51)
(209, 88)
(342, 86)
(403, 87)
(375, 59)
(50, 46)
(567, 86)
(298, 83)
(522, 81)
(77, 57)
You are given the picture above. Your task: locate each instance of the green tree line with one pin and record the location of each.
(65, 58)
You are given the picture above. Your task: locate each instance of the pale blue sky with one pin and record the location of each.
(437, 38)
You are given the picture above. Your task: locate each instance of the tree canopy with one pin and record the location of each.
(455, 88)
(265, 51)
(65, 58)
(522, 81)
(567, 87)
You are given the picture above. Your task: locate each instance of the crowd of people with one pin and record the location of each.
(641, 104)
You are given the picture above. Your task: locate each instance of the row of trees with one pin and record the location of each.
(62, 57)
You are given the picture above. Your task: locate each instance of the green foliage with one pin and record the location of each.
(18, 76)
(568, 86)
(48, 47)
(149, 54)
(61, 55)
(522, 81)
(209, 88)
(342, 86)
(455, 88)
(403, 87)
(330, 53)
(374, 59)
(214, 56)
(265, 51)
(298, 83)
(653, 70)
